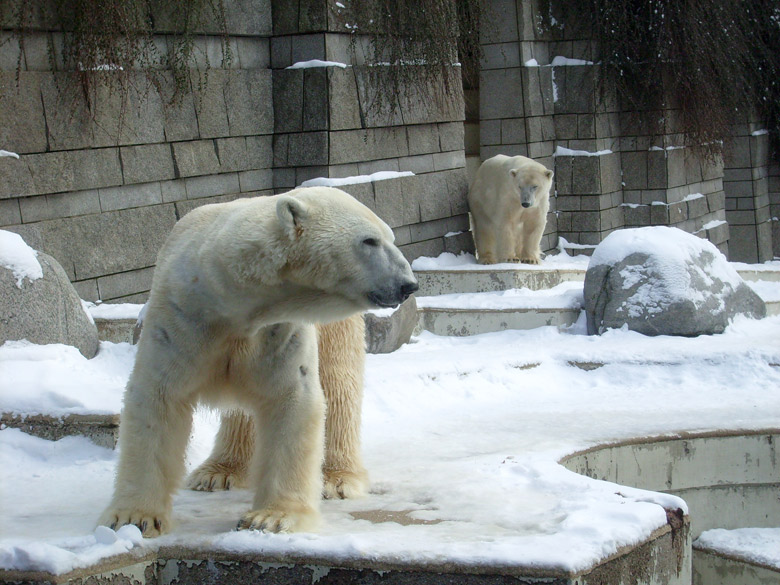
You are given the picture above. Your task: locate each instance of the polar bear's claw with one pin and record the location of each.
(214, 477)
(277, 520)
(150, 525)
(343, 485)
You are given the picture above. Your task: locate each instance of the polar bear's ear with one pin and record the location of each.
(291, 213)
(548, 173)
(513, 172)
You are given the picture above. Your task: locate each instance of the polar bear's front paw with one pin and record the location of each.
(289, 518)
(212, 477)
(530, 260)
(150, 524)
(340, 484)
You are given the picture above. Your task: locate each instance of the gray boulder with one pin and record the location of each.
(45, 310)
(387, 330)
(663, 281)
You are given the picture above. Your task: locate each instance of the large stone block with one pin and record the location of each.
(23, 128)
(69, 123)
(500, 55)
(389, 202)
(179, 117)
(248, 98)
(10, 213)
(211, 108)
(197, 157)
(369, 144)
(90, 246)
(146, 163)
(134, 117)
(116, 286)
(343, 96)
(127, 196)
(501, 94)
(59, 205)
(288, 100)
(500, 22)
(248, 17)
(211, 185)
(586, 175)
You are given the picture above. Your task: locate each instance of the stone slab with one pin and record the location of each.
(101, 429)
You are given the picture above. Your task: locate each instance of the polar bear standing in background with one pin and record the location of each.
(229, 323)
(509, 201)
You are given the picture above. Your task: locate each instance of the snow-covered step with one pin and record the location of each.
(449, 274)
(462, 314)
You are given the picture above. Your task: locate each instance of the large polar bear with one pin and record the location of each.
(229, 322)
(509, 201)
(342, 356)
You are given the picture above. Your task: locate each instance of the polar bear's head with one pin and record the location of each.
(340, 247)
(532, 182)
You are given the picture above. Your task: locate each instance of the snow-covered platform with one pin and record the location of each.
(527, 456)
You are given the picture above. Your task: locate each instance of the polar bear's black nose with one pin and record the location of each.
(407, 289)
(525, 204)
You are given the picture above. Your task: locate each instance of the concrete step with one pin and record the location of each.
(485, 312)
(471, 300)
(477, 278)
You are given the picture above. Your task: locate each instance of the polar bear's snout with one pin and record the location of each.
(393, 294)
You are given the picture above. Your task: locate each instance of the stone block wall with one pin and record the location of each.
(746, 183)
(539, 96)
(101, 199)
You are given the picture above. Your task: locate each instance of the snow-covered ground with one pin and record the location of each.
(462, 435)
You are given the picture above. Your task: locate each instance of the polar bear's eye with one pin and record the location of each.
(373, 242)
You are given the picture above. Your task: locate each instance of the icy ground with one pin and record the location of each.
(461, 435)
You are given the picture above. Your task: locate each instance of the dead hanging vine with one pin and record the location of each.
(116, 45)
(411, 43)
(715, 62)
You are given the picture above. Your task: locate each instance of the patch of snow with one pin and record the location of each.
(562, 151)
(567, 295)
(757, 545)
(57, 380)
(568, 62)
(656, 148)
(768, 291)
(711, 225)
(466, 261)
(316, 63)
(339, 182)
(8, 153)
(19, 258)
(761, 132)
(531, 63)
(115, 310)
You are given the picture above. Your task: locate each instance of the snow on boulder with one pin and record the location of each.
(37, 301)
(664, 281)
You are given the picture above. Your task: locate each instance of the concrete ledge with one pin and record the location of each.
(710, 567)
(484, 278)
(664, 558)
(463, 322)
(487, 279)
(101, 429)
(729, 479)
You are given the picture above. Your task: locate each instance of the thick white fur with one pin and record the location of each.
(504, 230)
(342, 355)
(229, 322)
